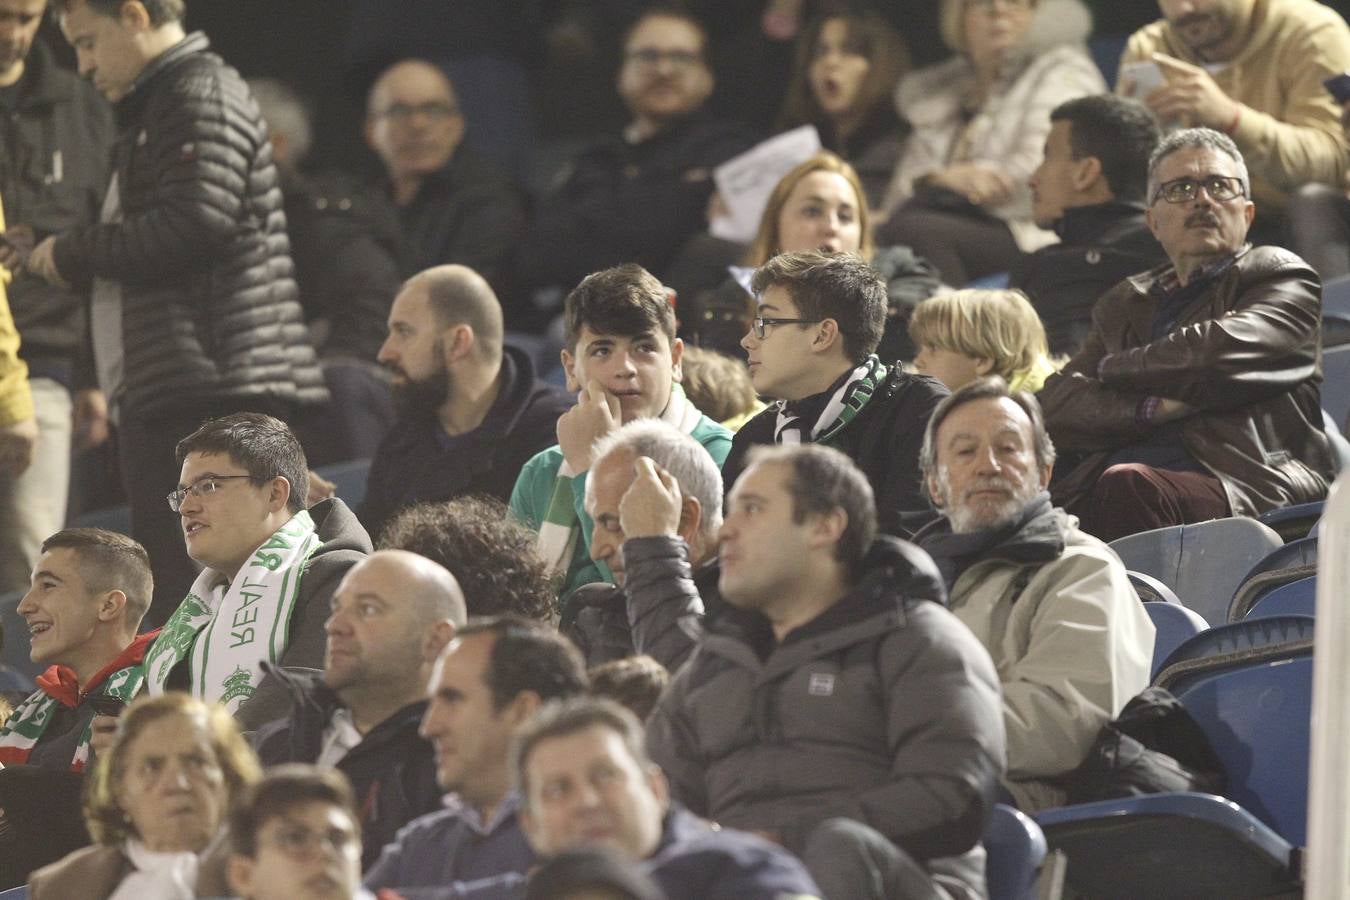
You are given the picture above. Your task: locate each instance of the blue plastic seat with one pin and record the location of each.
(350, 478)
(1151, 590)
(1169, 847)
(112, 518)
(1249, 637)
(1173, 624)
(1297, 598)
(1202, 563)
(1255, 706)
(1336, 383)
(1294, 561)
(1293, 522)
(1016, 849)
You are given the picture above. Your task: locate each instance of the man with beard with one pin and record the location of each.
(1052, 605)
(471, 411)
(1254, 70)
(1197, 392)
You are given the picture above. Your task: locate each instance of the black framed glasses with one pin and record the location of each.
(1184, 190)
(299, 842)
(203, 487)
(648, 58)
(403, 113)
(760, 324)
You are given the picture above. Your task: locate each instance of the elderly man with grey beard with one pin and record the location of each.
(1051, 604)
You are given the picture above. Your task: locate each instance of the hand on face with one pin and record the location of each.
(651, 505)
(1190, 96)
(596, 414)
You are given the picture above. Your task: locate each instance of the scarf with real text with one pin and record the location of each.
(842, 407)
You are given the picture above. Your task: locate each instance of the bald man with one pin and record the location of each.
(453, 205)
(391, 616)
(471, 411)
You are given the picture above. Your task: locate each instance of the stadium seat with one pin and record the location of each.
(1170, 847)
(1106, 52)
(1294, 561)
(1016, 849)
(1336, 384)
(1151, 590)
(1202, 563)
(350, 478)
(1293, 522)
(18, 893)
(1297, 598)
(1245, 638)
(1255, 706)
(1173, 624)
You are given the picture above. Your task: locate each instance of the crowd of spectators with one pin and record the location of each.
(682, 567)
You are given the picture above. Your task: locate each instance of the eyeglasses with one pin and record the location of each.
(403, 113)
(299, 842)
(1184, 190)
(650, 59)
(203, 487)
(760, 324)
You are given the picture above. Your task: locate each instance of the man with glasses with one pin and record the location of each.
(811, 348)
(453, 205)
(270, 568)
(295, 838)
(1196, 395)
(637, 197)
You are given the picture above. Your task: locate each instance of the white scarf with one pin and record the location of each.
(157, 876)
(559, 529)
(225, 631)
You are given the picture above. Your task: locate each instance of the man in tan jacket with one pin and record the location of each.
(1252, 69)
(1052, 605)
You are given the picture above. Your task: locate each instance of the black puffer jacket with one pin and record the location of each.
(209, 308)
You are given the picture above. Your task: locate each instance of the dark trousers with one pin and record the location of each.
(962, 247)
(145, 449)
(1132, 497)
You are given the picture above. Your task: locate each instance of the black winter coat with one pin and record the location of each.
(209, 305)
(392, 770)
(884, 440)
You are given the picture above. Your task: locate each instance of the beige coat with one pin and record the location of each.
(1070, 649)
(1009, 130)
(1290, 134)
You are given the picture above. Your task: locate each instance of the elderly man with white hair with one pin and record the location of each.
(655, 496)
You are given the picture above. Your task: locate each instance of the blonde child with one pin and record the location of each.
(965, 335)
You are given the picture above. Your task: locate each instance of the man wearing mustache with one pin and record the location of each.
(1252, 69)
(1052, 605)
(1197, 393)
(471, 411)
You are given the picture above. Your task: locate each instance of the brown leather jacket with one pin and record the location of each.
(1247, 357)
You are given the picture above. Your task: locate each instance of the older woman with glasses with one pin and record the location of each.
(959, 196)
(153, 803)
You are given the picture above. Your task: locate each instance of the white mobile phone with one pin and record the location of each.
(1145, 75)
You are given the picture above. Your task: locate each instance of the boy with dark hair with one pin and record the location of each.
(812, 349)
(294, 837)
(623, 358)
(90, 590)
(270, 567)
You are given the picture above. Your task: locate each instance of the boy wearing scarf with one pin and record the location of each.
(271, 568)
(818, 320)
(89, 591)
(623, 358)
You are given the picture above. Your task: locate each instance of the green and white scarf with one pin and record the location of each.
(843, 407)
(28, 722)
(225, 631)
(560, 528)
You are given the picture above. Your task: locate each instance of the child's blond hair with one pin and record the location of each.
(998, 325)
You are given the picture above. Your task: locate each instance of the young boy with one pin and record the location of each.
(623, 359)
(966, 335)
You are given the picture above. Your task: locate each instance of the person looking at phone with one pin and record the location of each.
(1252, 69)
(90, 589)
